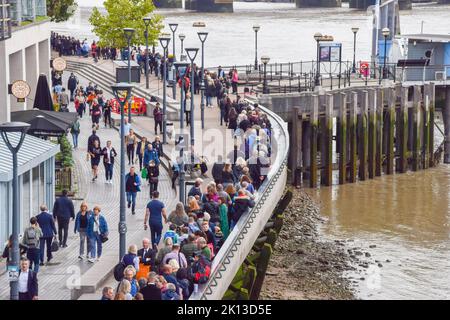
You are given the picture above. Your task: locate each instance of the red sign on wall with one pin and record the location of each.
(364, 68)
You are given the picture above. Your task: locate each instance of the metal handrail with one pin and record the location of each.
(226, 255)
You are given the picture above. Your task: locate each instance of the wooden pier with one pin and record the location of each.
(362, 133)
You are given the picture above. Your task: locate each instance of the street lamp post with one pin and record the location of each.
(122, 90)
(202, 36)
(355, 31)
(179, 66)
(265, 60)
(129, 32)
(147, 21)
(14, 142)
(256, 29)
(182, 36)
(164, 44)
(192, 54)
(173, 27)
(317, 37)
(385, 33)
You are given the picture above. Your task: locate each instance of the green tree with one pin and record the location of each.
(125, 14)
(61, 10)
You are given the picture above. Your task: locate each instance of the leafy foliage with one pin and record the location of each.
(60, 10)
(65, 154)
(125, 14)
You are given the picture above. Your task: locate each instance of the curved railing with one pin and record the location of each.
(240, 241)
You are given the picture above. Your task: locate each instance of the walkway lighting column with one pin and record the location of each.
(256, 29)
(385, 33)
(192, 54)
(129, 32)
(122, 90)
(182, 36)
(265, 60)
(14, 142)
(317, 37)
(179, 66)
(173, 27)
(202, 36)
(147, 21)
(164, 41)
(355, 31)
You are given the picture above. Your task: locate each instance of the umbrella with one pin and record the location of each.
(43, 98)
(27, 115)
(45, 123)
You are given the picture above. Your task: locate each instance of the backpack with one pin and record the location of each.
(201, 269)
(118, 271)
(32, 239)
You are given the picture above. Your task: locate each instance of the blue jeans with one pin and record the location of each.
(33, 254)
(75, 139)
(131, 199)
(208, 101)
(96, 245)
(155, 233)
(109, 171)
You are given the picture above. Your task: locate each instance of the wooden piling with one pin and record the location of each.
(372, 133)
(363, 134)
(342, 138)
(261, 268)
(296, 149)
(426, 129)
(390, 113)
(353, 136)
(431, 94)
(328, 142)
(314, 119)
(403, 128)
(306, 147)
(416, 129)
(379, 131)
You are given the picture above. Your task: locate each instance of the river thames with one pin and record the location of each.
(406, 217)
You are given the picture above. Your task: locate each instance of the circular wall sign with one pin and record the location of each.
(59, 64)
(20, 89)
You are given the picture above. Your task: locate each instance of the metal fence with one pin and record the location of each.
(5, 20)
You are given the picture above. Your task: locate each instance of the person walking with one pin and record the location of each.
(81, 225)
(158, 116)
(154, 214)
(80, 103)
(150, 154)
(92, 138)
(97, 231)
(63, 100)
(95, 153)
(75, 131)
(47, 225)
(153, 176)
(158, 146)
(107, 110)
(140, 150)
(72, 84)
(96, 113)
(187, 108)
(109, 154)
(131, 145)
(63, 210)
(30, 239)
(132, 187)
(28, 282)
(234, 81)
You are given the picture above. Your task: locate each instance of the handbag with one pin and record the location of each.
(55, 245)
(103, 237)
(144, 173)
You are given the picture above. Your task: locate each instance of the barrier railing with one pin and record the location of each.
(244, 234)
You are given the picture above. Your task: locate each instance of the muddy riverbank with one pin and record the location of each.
(304, 266)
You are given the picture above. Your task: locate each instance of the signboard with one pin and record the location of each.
(364, 68)
(19, 89)
(330, 52)
(59, 64)
(13, 273)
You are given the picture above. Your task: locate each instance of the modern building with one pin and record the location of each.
(24, 50)
(24, 54)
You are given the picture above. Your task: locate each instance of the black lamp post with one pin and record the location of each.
(192, 54)
(182, 36)
(385, 33)
(122, 90)
(13, 133)
(129, 32)
(179, 66)
(265, 60)
(355, 31)
(164, 44)
(202, 36)
(317, 37)
(173, 27)
(256, 29)
(147, 21)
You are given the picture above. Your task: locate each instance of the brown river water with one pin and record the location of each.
(406, 216)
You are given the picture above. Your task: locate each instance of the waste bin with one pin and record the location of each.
(122, 71)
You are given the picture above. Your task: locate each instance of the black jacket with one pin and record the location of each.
(150, 257)
(63, 209)
(241, 205)
(151, 292)
(72, 83)
(32, 284)
(153, 172)
(113, 154)
(217, 171)
(47, 224)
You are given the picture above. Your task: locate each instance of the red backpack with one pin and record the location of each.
(201, 270)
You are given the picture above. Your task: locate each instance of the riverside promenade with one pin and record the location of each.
(66, 272)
